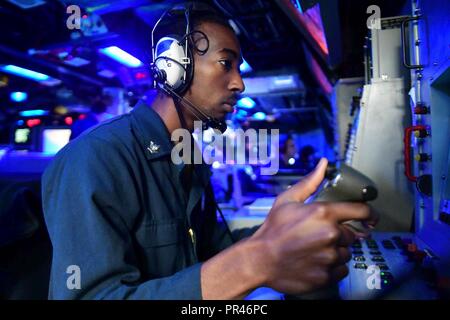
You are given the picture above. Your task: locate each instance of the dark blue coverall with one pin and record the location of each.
(116, 209)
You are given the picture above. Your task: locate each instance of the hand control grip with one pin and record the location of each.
(346, 184)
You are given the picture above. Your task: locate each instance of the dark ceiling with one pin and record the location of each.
(271, 41)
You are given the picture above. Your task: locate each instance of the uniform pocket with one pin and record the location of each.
(158, 233)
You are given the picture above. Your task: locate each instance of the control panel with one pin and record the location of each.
(393, 266)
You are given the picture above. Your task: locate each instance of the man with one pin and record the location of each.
(96, 115)
(134, 225)
(288, 154)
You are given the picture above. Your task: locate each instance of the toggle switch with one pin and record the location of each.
(421, 133)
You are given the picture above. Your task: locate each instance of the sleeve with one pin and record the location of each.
(86, 192)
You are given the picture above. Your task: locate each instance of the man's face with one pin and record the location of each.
(291, 149)
(217, 80)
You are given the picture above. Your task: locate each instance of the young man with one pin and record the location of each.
(127, 223)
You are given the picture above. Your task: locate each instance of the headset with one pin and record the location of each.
(172, 64)
(172, 69)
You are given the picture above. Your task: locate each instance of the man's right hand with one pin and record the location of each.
(304, 247)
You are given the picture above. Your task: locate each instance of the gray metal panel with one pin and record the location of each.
(387, 50)
(378, 151)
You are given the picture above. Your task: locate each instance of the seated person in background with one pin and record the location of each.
(288, 154)
(308, 159)
(94, 117)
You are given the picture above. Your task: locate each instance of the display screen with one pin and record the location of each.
(54, 140)
(22, 135)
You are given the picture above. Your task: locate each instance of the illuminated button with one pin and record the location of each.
(386, 282)
(359, 258)
(360, 265)
(386, 275)
(375, 252)
(378, 259)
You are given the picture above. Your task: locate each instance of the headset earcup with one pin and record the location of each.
(169, 61)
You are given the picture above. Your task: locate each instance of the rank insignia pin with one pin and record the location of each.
(153, 148)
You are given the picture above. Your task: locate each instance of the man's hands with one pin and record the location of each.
(305, 246)
(299, 248)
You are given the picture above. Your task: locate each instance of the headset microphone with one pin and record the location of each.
(217, 124)
(208, 121)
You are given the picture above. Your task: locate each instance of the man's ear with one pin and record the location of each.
(199, 42)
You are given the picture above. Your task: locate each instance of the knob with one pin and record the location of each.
(422, 157)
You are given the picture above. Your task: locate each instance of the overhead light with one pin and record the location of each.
(259, 116)
(33, 113)
(246, 103)
(121, 56)
(267, 84)
(284, 81)
(26, 73)
(18, 96)
(27, 4)
(244, 67)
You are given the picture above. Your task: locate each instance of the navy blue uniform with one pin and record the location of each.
(115, 206)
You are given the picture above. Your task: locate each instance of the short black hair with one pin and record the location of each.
(174, 23)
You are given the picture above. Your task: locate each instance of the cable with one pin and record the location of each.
(228, 230)
(191, 108)
(200, 51)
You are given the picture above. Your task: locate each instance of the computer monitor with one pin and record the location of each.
(54, 139)
(22, 136)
